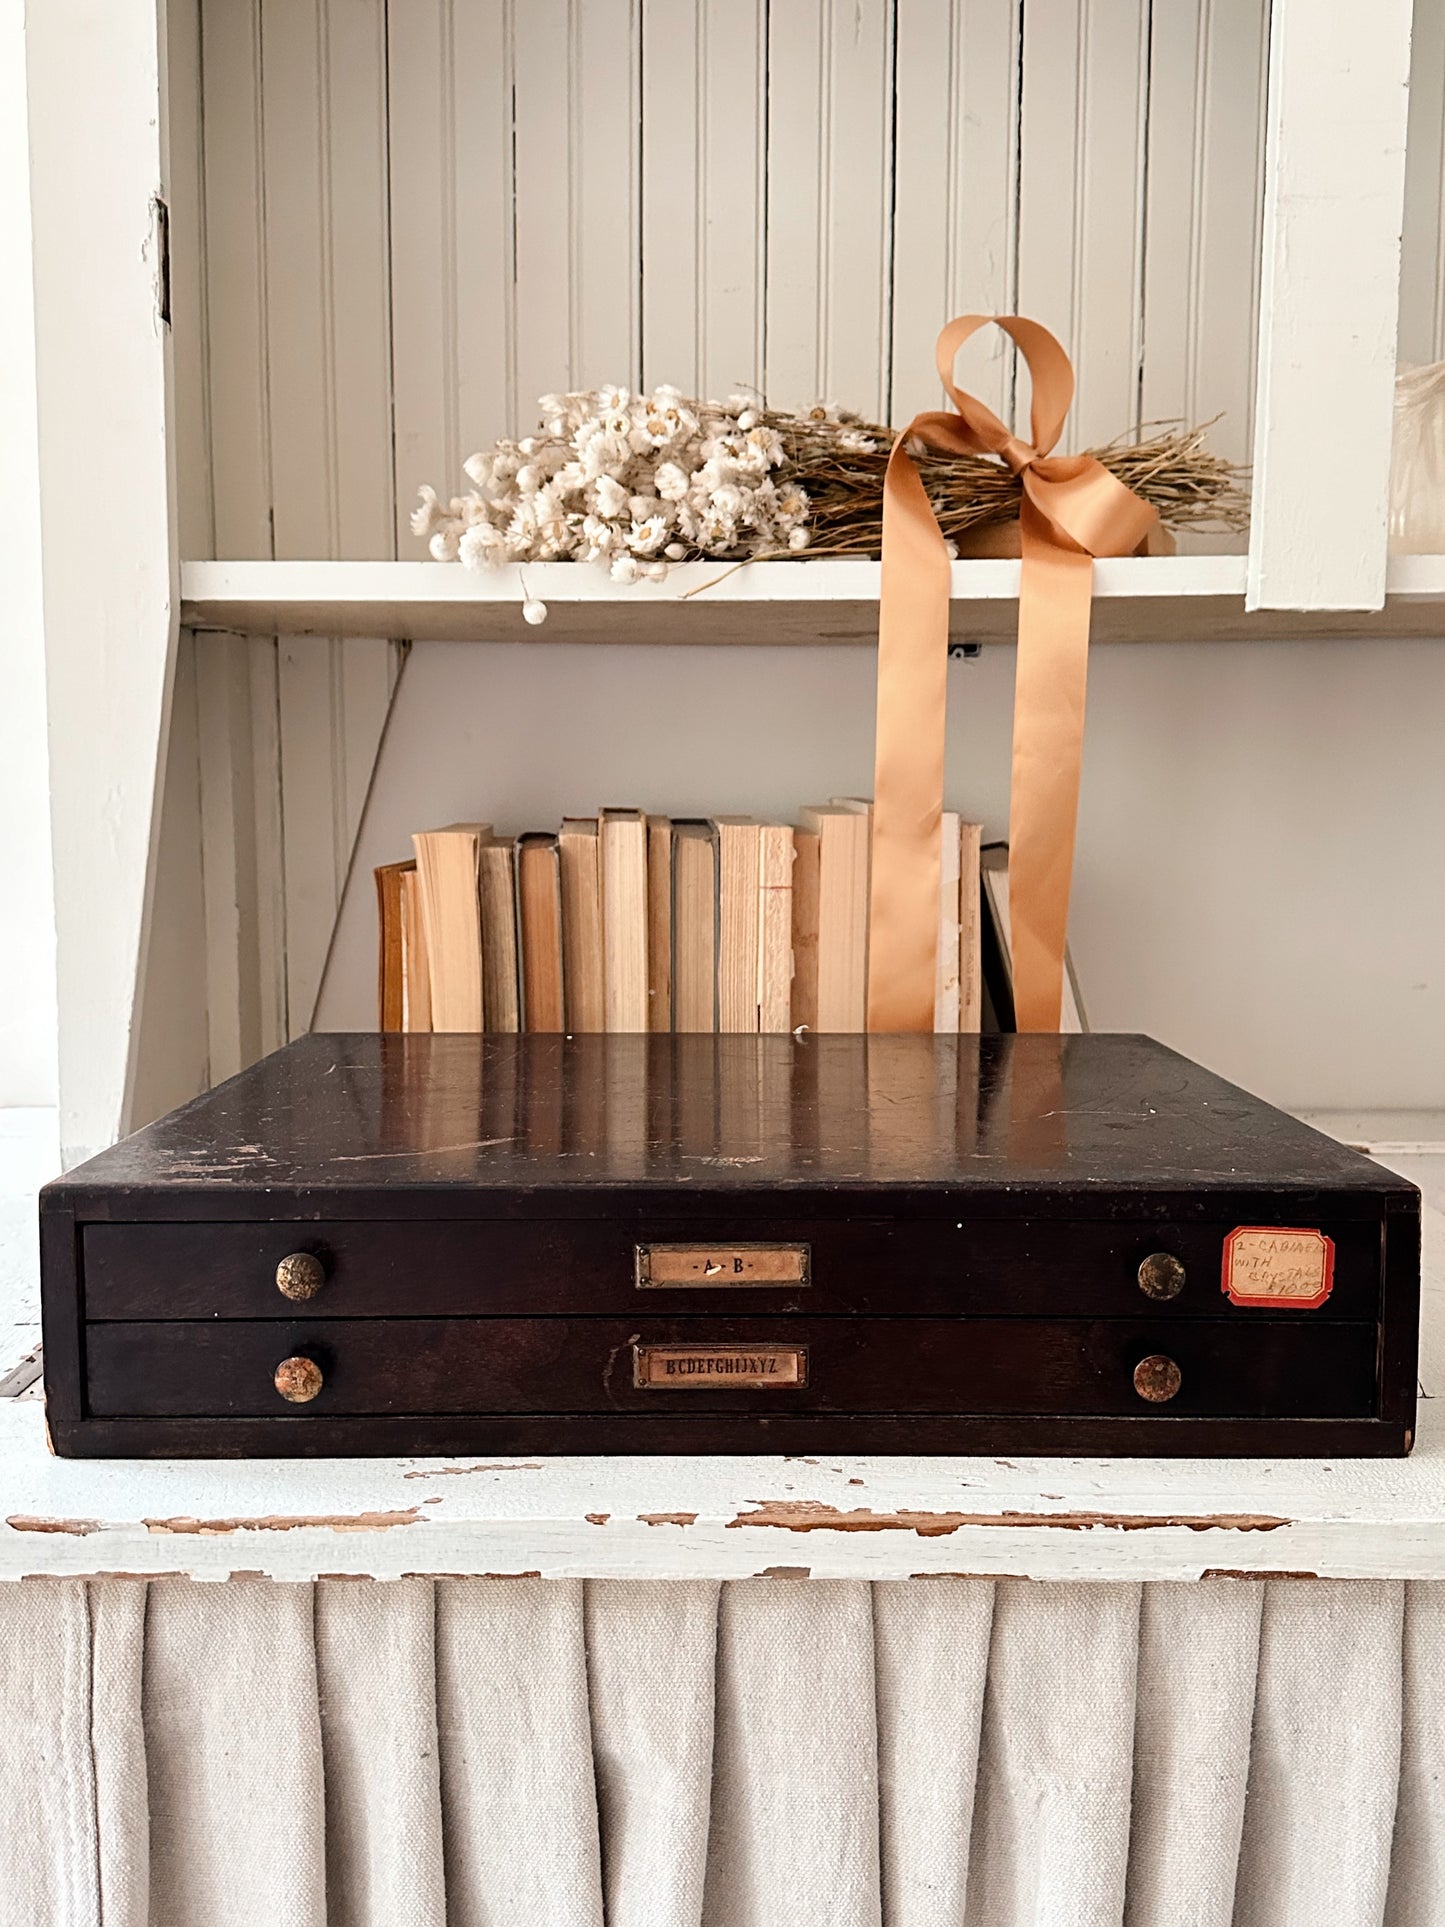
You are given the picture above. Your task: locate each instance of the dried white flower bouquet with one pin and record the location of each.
(636, 482)
(631, 481)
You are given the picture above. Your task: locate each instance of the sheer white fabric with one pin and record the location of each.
(772, 1753)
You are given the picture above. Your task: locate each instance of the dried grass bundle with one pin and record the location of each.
(840, 462)
(638, 482)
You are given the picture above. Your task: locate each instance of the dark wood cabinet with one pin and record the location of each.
(672, 1243)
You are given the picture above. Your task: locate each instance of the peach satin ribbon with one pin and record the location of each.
(1072, 510)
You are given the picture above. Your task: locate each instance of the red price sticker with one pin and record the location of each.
(1278, 1265)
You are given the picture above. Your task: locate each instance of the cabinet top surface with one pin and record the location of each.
(506, 1120)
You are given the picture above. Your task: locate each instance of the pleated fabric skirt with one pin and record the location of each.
(768, 1753)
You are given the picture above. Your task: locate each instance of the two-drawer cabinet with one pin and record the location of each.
(729, 1244)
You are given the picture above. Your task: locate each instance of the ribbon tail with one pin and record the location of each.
(1051, 681)
(908, 755)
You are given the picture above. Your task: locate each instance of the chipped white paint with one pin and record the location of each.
(731, 1518)
(717, 1518)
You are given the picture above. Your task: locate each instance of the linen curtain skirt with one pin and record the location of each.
(768, 1753)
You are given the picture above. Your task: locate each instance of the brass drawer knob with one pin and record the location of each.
(1161, 1275)
(298, 1380)
(300, 1275)
(1157, 1378)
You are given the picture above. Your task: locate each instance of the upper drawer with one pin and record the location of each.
(522, 1268)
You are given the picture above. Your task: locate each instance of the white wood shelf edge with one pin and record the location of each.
(1137, 598)
(716, 1518)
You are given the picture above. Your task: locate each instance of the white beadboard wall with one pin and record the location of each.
(399, 221)
(419, 215)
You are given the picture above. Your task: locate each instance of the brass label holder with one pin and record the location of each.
(729, 1368)
(720, 1267)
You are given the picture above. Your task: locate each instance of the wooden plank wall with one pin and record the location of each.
(289, 355)
(411, 217)
(420, 214)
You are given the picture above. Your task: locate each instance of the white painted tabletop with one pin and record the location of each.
(881, 1518)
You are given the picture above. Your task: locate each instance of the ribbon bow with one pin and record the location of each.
(1072, 510)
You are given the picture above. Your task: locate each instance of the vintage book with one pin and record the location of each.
(622, 835)
(775, 927)
(694, 926)
(446, 862)
(582, 949)
(806, 846)
(946, 959)
(390, 965)
(738, 877)
(497, 892)
(888, 1244)
(539, 918)
(659, 923)
(415, 974)
(994, 877)
(970, 940)
(843, 832)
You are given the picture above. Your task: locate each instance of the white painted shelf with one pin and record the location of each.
(1185, 598)
(880, 1518)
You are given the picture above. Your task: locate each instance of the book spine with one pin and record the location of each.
(738, 869)
(775, 929)
(970, 933)
(946, 998)
(390, 993)
(804, 1013)
(623, 836)
(659, 923)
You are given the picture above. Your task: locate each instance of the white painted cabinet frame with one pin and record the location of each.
(110, 570)
(1334, 200)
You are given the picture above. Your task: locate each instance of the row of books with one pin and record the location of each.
(632, 922)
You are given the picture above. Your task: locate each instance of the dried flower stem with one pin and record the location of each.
(1172, 470)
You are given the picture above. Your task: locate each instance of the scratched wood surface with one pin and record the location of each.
(452, 1126)
(979, 1214)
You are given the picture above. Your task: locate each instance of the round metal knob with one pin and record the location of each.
(298, 1380)
(301, 1275)
(1157, 1378)
(1161, 1275)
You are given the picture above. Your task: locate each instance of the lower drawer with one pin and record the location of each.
(1275, 1368)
